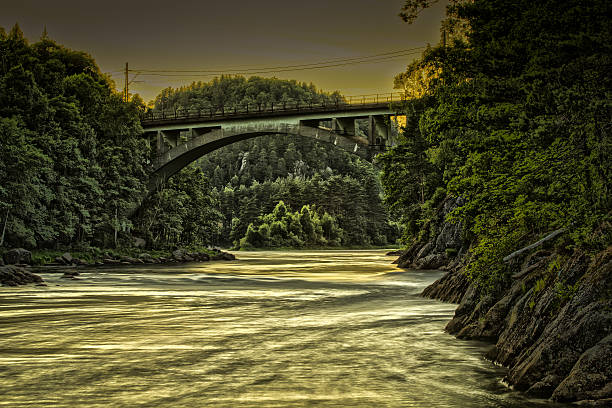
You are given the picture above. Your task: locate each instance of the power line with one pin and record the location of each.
(333, 61)
(267, 71)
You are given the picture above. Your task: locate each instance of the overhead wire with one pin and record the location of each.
(338, 62)
(333, 62)
(266, 71)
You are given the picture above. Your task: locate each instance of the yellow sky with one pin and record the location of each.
(213, 35)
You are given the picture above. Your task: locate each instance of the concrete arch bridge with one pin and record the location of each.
(181, 138)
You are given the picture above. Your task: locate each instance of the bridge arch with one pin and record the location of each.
(172, 161)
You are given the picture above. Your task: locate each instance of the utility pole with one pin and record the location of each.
(125, 89)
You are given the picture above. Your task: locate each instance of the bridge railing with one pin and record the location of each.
(254, 108)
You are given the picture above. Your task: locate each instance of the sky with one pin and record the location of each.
(223, 35)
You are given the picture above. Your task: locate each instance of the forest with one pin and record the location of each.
(510, 112)
(249, 178)
(73, 161)
(75, 164)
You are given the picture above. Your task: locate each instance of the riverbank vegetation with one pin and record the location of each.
(248, 179)
(75, 164)
(283, 228)
(72, 160)
(510, 113)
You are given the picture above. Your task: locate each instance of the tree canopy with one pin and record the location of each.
(515, 118)
(249, 178)
(72, 160)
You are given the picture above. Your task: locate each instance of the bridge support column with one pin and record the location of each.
(159, 142)
(345, 126)
(378, 130)
(167, 139)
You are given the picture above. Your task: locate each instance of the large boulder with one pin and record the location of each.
(591, 376)
(443, 247)
(431, 261)
(449, 235)
(18, 256)
(200, 256)
(146, 258)
(178, 255)
(228, 257)
(223, 256)
(11, 275)
(67, 258)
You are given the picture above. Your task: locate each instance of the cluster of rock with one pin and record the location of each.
(70, 275)
(11, 275)
(180, 255)
(552, 328)
(177, 256)
(23, 257)
(68, 260)
(442, 247)
(14, 274)
(16, 256)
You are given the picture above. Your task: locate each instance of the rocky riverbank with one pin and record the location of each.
(442, 246)
(11, 275)
(552, 327)
(176, 256)
(14, 262)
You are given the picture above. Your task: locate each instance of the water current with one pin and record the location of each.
(273, 329)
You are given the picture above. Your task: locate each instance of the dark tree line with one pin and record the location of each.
(229, 92)
(72, 162)
(249, 178)
(513, 115)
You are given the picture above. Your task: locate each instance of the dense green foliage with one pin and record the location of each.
(250, 177)
(283, 228)
(74, 163)
(515, 118)
(237, 91)
(71, 156)
(185, 212)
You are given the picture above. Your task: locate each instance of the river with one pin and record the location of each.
(273, 329)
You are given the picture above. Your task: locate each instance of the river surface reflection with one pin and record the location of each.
(274, 329)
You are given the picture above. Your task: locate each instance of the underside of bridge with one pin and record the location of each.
(179, 143)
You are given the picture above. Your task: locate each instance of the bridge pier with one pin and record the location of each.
(344, 126)
(378, 130)
(167, 139)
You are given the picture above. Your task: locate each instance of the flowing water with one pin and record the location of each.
(274, 329)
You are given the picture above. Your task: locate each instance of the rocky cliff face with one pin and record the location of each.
(552, 328)
(443, 248)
